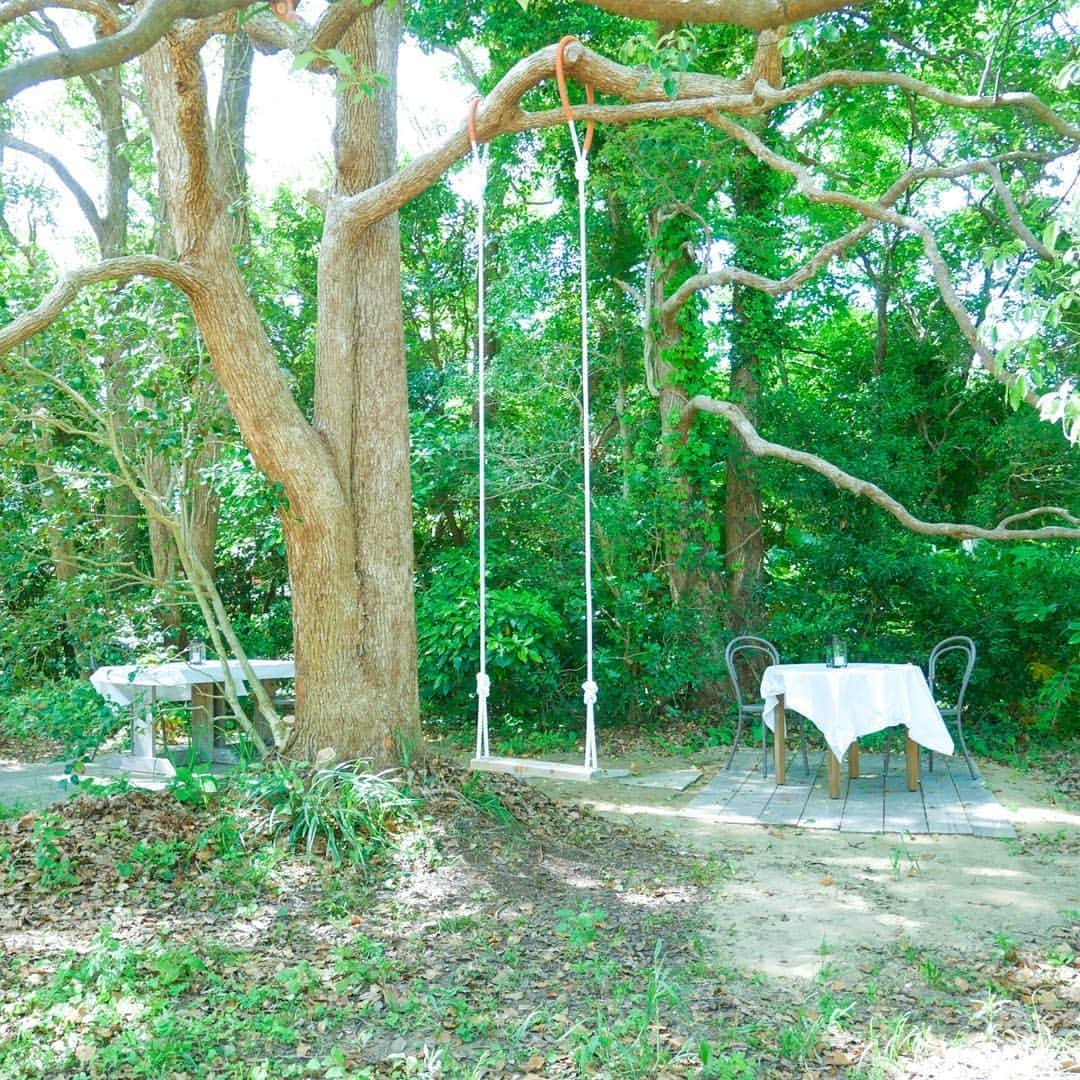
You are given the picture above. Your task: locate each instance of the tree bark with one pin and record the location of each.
(753, 335)
(361, 392)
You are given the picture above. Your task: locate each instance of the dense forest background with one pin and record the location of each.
(693, 540)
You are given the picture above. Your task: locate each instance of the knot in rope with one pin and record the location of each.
(483, 685)
(590, 690)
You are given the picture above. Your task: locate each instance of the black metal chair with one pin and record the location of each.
(966, 646)
(749, 649)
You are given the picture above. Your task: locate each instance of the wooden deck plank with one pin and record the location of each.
(948, 801)
(985, 814)
(945, 812)
(787, 804)
(820, 811)
(904, 810)
(864, 808)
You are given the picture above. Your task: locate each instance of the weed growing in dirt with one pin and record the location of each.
(13, 811)
(55, 868)
(477, 792)
(709, 871)
(580, 927)
(633, 1044)
(897, 857)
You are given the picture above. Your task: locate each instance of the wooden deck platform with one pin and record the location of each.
(947, 801)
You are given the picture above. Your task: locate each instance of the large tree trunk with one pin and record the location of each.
(686, 530)
(348, 474)
(754, 332)
(361, 393)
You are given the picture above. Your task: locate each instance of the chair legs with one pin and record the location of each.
(735, 741)
(963, 749)
(963, 746)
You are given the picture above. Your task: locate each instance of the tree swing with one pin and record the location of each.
(483, 758)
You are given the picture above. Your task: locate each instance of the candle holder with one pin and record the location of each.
(196, 651)
(838, 652)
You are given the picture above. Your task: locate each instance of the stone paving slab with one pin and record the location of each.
(674, 779)
(947, 800)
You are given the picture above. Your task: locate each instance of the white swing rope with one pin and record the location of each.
(581, 172)
(480, 157)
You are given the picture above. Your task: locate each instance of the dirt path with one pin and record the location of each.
(511, 935)
(802, 900)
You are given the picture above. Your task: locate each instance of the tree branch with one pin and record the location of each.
(752, 14)
(761, 447)
(86, 204)
(500, 113)
(151, 23)
(105, 14)
(122, 269)
(772, 97)
(828, 252)
(1038, 511)
(880, 211)
(697, 95)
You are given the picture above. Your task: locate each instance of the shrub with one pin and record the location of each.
(345, 813)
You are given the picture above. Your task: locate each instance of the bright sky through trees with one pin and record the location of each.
(289, 137)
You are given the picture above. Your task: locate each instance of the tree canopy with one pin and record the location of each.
(833, 254)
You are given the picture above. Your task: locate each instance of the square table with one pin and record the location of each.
(141, 685)
(844, 703)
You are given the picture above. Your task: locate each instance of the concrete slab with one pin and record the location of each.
(673, 779)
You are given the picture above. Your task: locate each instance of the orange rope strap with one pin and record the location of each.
(590, 97)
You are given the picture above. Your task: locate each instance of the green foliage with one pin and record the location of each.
(477, 792)
(343, 813)
(361, 82)
(55, 868)
(526, 644)
(68, 712)
(665, 56)
(580, 927)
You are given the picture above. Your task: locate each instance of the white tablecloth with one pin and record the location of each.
(844, 703)
(173, 682)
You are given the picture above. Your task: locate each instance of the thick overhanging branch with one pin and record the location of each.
(753, 14)
(270, 35)
(763, 448)
(106, 14)
(500, 113)
(644, 98)
(123, 269)
(150, 25)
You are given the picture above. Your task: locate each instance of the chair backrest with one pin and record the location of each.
(751, 645)
(948, 645)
